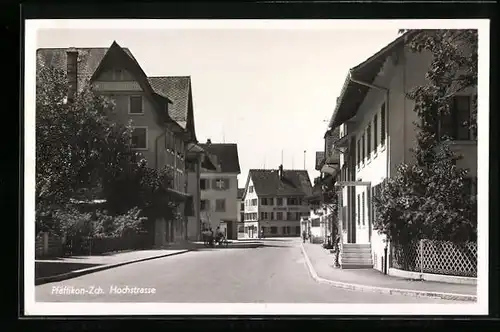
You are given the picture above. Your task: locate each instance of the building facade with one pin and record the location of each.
(275, 201)
(163, 130)
(240, 208)
(376, 132)
(219, 189)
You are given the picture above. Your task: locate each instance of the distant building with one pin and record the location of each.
(274, 202)
(219, 189)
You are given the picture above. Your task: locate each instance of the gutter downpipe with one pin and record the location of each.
(386, 99)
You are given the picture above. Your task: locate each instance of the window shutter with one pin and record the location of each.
(226, 183)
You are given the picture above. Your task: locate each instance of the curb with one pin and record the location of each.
(77, 273)
(384, 290)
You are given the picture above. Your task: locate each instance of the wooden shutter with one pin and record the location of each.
(226, 184)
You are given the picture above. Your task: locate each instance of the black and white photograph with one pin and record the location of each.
(256, 167)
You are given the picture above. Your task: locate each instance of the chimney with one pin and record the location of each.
(209, 141)
(72, 72)
(280, 172)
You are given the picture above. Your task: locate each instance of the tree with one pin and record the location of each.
(427, 199)
(75, 141)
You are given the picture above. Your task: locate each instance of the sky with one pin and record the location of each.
(271, 91)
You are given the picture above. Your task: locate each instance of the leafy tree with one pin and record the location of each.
(75, 141)
(427, 199)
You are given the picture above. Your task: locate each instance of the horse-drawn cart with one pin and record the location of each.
(211, 240)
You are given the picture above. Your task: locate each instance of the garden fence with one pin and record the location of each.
(437, 257)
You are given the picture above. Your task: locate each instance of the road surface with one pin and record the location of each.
(276, 273)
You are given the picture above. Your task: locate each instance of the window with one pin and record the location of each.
(272, 215)
(270, 201)
(292, 201)
(205, 205)
(188, 207)
(279, 201)
(297, 229)
(139, 138)
(369, 141)
(456, 123)
(359, 210)
(263, 216)
(135, 105)
(242, 216)
(284, 230)
(279, 215)
(220, 205)
(263, 201)
(315, 222)
(375, 134)
(254, 202)
(274, 230)
(363, 208)
(289, 216)
(363, 148)
(250, 189)
(220, 184)
(242, 206)
(241, 229)
(382, 124)
(297, 215)
(204, 184)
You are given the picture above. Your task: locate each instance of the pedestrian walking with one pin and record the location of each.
(304, 234)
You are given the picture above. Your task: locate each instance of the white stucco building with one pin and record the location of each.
(376, 132)
(274, 202)
(219, 189)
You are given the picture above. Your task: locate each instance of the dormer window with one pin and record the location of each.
(136, 105)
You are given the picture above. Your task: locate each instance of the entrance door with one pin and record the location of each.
(362, 222)
(229, 230)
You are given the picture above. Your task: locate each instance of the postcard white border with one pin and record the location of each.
(42, 308)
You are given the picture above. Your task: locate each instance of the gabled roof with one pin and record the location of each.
(226, 154)
(175, 88)
(267, 182)
(353, 94)
(240, 193)
(90, 62)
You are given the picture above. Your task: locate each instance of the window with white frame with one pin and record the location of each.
(279, 201)
(136, 105)
(254, 202)
(139, 140)
(221, 184)
(250, 189)
(204, 205)
(279, 215)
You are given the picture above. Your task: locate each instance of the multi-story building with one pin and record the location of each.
(219, 189)
(375, 121)
(240, 208)
(160, 111)
(275, 201)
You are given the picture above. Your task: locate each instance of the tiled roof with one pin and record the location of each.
(175, 88)
(267, 182)
(88, 60)
(240, 192)
(227, 156)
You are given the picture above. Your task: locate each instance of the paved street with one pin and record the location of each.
(275, 273)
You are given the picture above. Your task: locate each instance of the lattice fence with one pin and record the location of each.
(438, 257)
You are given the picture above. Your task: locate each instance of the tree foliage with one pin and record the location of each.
(427, 199)
(75, 141)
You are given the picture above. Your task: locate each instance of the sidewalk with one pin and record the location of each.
(51, 270)
(321, 262)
